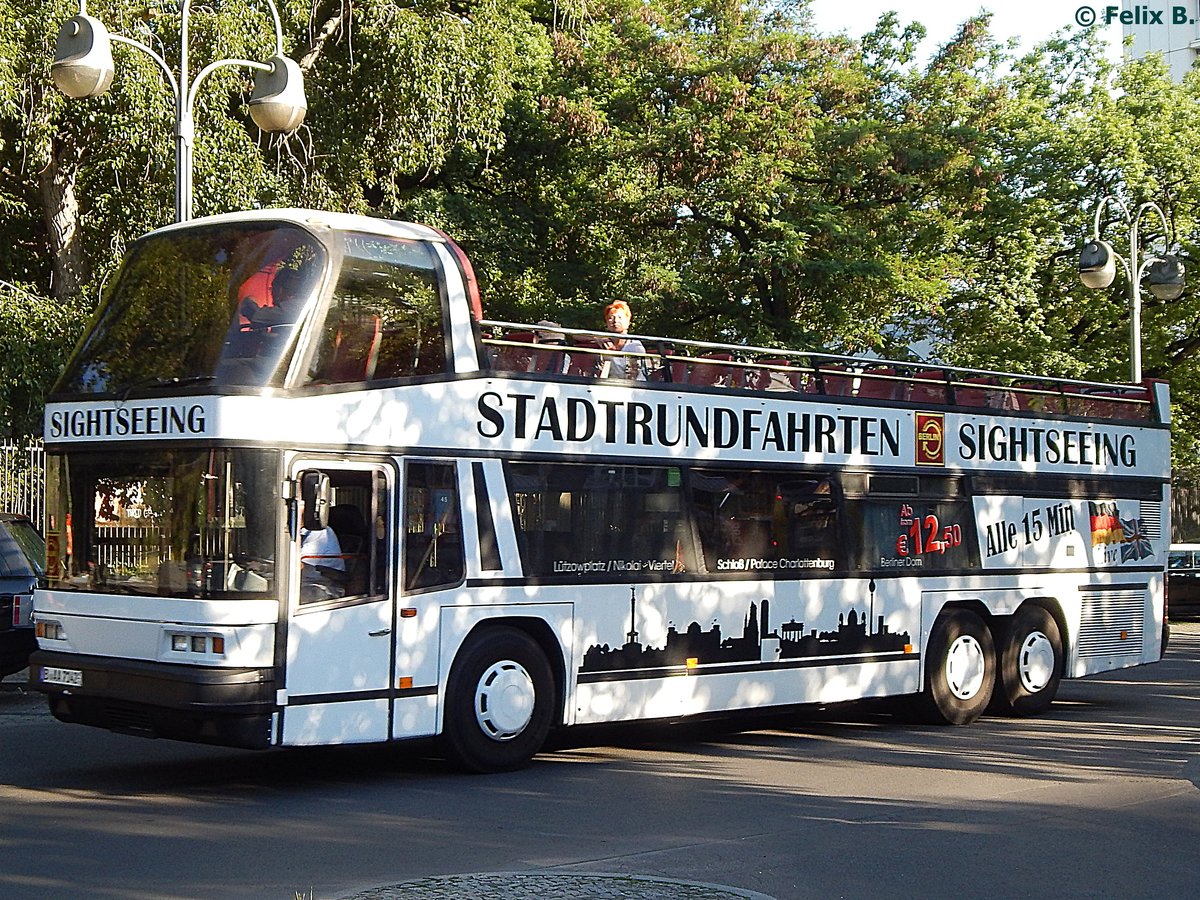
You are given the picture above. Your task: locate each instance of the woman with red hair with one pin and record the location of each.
(617, 318)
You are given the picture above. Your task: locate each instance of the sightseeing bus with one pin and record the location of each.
(301, 492)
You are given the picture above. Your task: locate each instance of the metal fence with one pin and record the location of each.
(127, 548)
(1185, 513)
(23, 480)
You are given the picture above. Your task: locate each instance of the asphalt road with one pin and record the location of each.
(1098, 798)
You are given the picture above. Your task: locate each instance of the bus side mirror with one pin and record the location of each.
(314, 495)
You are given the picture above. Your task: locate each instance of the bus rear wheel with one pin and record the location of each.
(499, 702)
(1030, 663)
(960, 670)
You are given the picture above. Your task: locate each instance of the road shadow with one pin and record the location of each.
(1114, 724)
(657, 798)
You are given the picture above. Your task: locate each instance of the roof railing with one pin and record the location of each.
(580, 353)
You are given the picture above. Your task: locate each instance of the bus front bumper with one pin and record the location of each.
(229, 707)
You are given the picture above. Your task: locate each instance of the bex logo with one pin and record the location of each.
(931, 439)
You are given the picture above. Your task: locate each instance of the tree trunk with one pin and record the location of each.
(333, 18)
(60, 206)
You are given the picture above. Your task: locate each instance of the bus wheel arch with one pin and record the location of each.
(1031, 659)
(502, 697)
(960, 667)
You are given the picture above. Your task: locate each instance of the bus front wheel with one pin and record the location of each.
(960, 669)
(499, 701)
(1030, 663)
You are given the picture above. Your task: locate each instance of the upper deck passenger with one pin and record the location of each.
(617, 319)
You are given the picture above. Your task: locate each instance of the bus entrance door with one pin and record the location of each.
(341, 622)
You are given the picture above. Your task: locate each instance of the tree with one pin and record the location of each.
(1074, 131)
(80, 179)
(727, 170)
(35, 333)
(734, 175)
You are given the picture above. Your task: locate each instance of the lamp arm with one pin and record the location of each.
(166, 70)
(212, 67)
(1151, 206)
(278, 28)
(1108, 198)
(185, 10)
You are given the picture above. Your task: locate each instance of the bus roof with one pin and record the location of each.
(317, 219)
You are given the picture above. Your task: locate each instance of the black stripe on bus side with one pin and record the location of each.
(1120, 586)
(740, 668)
(737, 577)
(1066, 486)
(489, 545)
(351, 696)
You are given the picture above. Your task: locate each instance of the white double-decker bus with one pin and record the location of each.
(302, 492)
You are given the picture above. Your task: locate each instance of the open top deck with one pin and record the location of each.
(579, 353)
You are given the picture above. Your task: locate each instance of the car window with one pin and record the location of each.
(13, 561)
(1181, 559)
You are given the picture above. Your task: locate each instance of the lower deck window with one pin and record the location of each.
(433, 539)
(913, 533)
(615, 522)
(348, 558)
(764, 522)
(619, 521)
(167, 522)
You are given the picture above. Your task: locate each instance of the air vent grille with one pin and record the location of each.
(1112, 624)
(1151, 514)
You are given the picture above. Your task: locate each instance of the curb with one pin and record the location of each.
(562, 886)
(17, 683)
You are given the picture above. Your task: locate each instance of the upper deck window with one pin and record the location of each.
(206, 304)
(384, 319)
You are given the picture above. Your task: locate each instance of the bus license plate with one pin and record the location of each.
(69, 677)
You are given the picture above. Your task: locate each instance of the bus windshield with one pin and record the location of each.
(218, 304)
(177, 523)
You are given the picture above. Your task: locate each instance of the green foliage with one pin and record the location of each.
(401, 89)
(35, 335)
(718, 164)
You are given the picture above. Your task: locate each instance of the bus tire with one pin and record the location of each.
(1030, 663)
(499, 701)
(960, 670)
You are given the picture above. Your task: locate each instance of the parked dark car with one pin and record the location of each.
(1183, 581)
(22, 565)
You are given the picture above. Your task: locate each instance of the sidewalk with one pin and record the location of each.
(17, 683)
(562, 886)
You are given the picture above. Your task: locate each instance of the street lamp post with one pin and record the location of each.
(1164, 274)
(83, 67)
